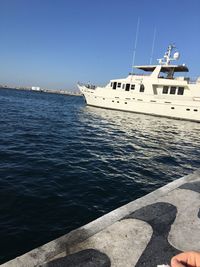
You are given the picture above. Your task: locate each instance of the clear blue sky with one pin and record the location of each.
(55, 43)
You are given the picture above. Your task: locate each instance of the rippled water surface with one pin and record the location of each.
(63, 164)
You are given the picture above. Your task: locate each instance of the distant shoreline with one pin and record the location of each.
(61, 92)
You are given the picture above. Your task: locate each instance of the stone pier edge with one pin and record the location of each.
(53, 248)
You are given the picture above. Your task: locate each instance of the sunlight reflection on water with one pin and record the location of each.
(64, 164)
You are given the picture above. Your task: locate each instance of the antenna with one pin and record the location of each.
(166, 60)
(135, 45)
(153, 44)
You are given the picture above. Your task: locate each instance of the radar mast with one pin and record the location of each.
(166, 60)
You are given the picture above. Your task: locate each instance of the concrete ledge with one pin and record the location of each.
(147, 231)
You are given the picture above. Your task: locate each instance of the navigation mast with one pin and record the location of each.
(166, 60)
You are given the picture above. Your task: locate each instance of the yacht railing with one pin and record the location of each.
(194, 80)
(138, 74)
(88, 85)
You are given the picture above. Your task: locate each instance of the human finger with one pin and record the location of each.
(190, 258)
(176, 263)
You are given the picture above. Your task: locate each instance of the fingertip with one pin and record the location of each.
(176, 263)
(173, 262)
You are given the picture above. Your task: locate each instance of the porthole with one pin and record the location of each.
(195, 109)
(187, 109)
(125, 102)
(113, 101)
(172, 108)
(117, 101)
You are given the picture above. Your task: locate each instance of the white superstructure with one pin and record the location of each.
(35, 88)
(161, 92)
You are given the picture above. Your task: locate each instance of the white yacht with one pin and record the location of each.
(160, 92)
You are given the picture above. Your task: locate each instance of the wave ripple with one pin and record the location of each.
(64, 164)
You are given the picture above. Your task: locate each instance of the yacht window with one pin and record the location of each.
(165, 89)
(111, 84)
(142, 88)
(119, 85)
(114, 85)
(123, 86)
(180, 91)
(173, 90)
(127, 87)
(132, 86)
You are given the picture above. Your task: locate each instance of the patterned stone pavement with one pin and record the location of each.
(145, 232)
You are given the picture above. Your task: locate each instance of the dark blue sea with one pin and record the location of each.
(63, 164)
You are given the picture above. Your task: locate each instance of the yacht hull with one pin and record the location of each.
(189, 110)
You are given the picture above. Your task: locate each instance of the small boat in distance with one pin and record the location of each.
(160, 92)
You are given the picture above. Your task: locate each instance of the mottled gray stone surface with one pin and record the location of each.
(160, 216)
(195, 186)
(145, 232)
(84, 258)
